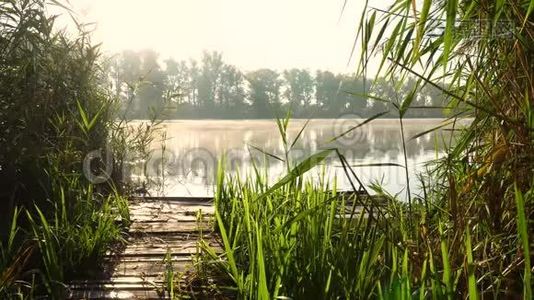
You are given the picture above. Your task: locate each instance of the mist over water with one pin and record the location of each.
(185, 152)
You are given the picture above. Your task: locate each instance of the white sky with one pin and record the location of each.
(251, 34)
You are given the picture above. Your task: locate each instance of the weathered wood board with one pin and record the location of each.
(163, 237)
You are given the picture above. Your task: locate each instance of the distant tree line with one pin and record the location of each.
(212, 88)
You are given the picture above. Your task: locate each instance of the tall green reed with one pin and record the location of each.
(479, 56)
(294, 239)
(299, 239)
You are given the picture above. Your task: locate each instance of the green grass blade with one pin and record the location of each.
(447, 274)
(263, 292)
(299, 170)
(358, 126)
(228, 250)
(471, 279)
(449, 30)
(523, 235)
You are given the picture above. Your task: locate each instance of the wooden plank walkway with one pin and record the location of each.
(163, 237)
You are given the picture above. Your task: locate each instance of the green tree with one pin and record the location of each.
(177, 81)
(209, 82)
(264, 91)
(299, 87)
(152, 85)
(384, 90)
(232, 87)
(351, 95)
(194, 74)
(327, 89)
(126, 74)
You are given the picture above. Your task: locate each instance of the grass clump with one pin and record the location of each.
(296, 239)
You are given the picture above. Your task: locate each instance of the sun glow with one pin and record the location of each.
(251, 34)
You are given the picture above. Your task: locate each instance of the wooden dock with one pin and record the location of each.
(162, 240)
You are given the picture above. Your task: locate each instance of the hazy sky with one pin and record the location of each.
(251, 34)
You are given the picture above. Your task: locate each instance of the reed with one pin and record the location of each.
(56, 108)
(479, 54)
(467, 234)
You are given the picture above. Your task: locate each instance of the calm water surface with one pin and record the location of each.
(185, 152)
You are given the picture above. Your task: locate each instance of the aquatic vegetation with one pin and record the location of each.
(56, 108)
(467, 234)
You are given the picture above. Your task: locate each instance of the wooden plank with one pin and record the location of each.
(130, 282)
(169, 244)
(177, 251)
(106, 292)
(192, 293)
(170, 238)
(152, 259)
(125, 282)
(165, 217)
(150, 268)
(186, 210)
(100, 293)
(157, 204)
(172, 213)
(168, 227)
(120, 283)
(172, 199)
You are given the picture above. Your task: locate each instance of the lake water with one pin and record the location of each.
(185, 154)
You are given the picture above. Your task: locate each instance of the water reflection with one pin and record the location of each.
(185, 162)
